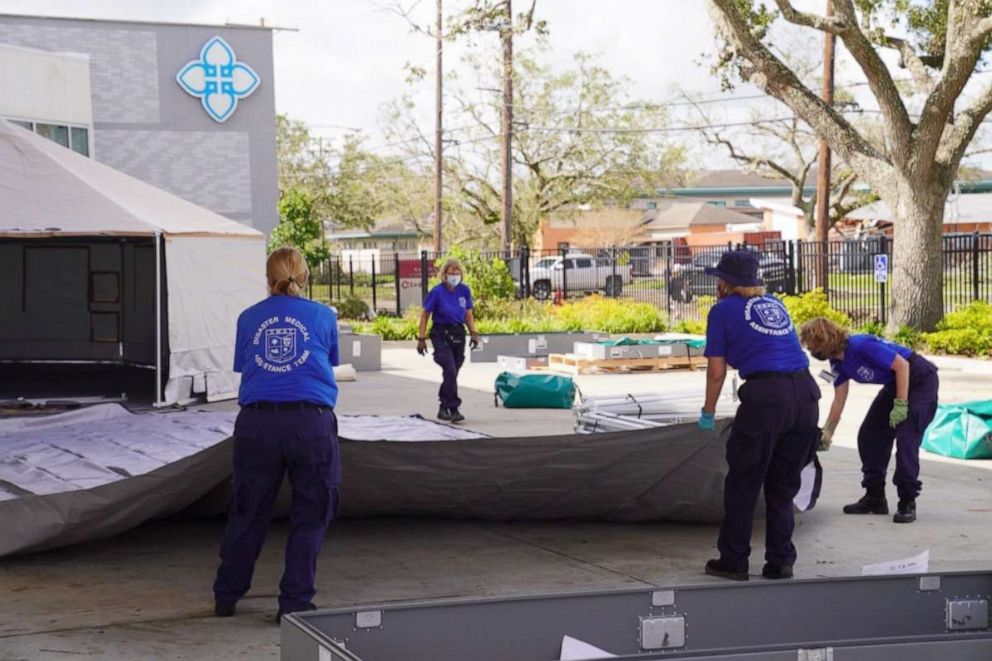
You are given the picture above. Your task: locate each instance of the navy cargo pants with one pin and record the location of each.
(774, 435)
(449, 352)
(267, 444)
(876, 435)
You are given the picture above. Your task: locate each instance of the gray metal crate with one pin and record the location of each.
(364, 352)
(596, 351)
(520, 364)
(529, 344)
(890, 618)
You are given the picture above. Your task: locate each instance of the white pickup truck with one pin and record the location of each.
(577, 272)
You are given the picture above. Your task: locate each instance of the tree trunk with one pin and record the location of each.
(917, 255)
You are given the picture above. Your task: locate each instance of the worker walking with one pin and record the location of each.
(774, 433)
(450, 305)
(285, 351)
(901, 411)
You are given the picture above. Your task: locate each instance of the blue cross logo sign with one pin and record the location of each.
(218, 79)
(881, 268)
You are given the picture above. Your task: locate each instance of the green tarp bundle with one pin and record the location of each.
(535, 391)
(962, 431)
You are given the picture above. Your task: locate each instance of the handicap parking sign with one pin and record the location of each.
(881, 268)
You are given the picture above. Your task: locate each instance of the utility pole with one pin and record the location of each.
(506, 34)
(823, 164)
(438, 128)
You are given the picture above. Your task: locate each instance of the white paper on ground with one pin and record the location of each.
(573, 649)
(918, 564)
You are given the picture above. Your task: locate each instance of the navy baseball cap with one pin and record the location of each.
(738, 267)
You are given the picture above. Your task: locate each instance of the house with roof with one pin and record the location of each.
(365, 249)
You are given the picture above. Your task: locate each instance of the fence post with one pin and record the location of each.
(564, 274)
(883, 249)
(800, 276)
(396, 280)
(423, 276)
(975, 293)
(351, 274)
(374, 283)
(615, 294)
(669, 261)
(525, 271)
(790, 255)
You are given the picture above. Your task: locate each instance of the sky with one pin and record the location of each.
(341, 60)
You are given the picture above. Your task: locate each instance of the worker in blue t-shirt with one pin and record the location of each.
(902, 410)
(450, 305)
(286, 349)
(774, 432)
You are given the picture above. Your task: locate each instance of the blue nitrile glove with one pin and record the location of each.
(707, 421)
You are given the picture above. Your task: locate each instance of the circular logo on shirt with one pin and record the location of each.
(280, 344)
(767, 316)
(462, 302)
(866, 373)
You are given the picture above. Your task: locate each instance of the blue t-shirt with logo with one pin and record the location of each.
(286, 349)
(868, 359)
(448, 306)
(754, 335)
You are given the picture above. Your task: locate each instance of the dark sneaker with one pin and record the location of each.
(456, 416)
(302, 609)
(718, 568)
(443, 413)
(776, 572)
(869, 504)
(224, 610)
(906, 512)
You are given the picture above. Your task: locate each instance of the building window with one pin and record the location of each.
(54, 132)
(652, 205)
(742, 203)
(76, 138)
(716, 203)
(79, 139)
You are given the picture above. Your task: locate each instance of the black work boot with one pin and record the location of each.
(456, 415)
(873, 502)
(443, 413)
(776, 572)
(906, 512)
(718, 568)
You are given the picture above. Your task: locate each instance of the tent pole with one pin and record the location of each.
(158, 319)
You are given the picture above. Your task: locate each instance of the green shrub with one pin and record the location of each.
(876, 328)
(393, 328)
(909, 337)
(352, 307)
(967, 332)
(811, 305)
(691, 327)
(610, 315)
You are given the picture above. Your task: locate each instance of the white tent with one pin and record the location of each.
(100, 267)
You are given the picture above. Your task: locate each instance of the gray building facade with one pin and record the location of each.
(219, 153)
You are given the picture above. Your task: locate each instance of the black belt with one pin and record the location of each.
(287, 406)
(448, 326)
(777, 375)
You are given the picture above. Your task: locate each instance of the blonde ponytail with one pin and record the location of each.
(287, 272)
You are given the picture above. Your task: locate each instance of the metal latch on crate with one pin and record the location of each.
(967, 614)
(659, 633)
(818, 654)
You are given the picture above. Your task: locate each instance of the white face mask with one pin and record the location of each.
(453, 280)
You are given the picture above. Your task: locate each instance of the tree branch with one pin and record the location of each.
(965, 127)
(833, 25)
(880, 81)
(776, 79)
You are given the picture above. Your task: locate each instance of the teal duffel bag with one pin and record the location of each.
(534, 391)
(963, 431)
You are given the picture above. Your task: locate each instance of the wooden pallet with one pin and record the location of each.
(569, 363)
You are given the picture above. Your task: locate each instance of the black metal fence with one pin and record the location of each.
(670, 276)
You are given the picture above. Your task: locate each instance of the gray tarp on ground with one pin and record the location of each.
(94, 473)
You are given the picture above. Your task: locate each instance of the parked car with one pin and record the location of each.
(690, 280)
(577, 272)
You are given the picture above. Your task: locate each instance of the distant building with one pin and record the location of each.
(362, 249)
(187, 108)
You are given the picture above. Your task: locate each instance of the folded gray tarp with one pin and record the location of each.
(94, 473)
